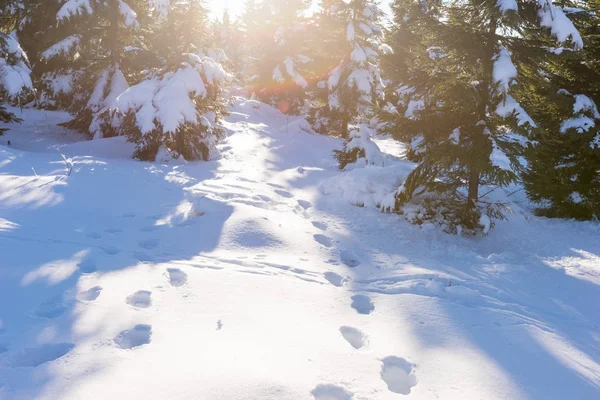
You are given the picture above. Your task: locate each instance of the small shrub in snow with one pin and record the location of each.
(359, 150)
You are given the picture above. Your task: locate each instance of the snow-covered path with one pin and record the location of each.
(240, 279)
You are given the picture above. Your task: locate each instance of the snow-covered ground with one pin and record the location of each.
(252, 277)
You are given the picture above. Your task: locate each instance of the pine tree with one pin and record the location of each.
(37, 30)
(456, 102)
(174, 110)
(280, 67)
(228, 36)
(94, 58)
(253, 21)
(353, 84)
(15, 73)
(563, 174)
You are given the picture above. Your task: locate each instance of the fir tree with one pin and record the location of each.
(280, 68)
(352, 86)
(457, 106)
(228, 37)
(94, 57)
(15, 73)
(563, 174)
(174, 110)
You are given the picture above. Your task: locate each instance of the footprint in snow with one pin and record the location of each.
(354, 336)
(137, 336)
(140, 299)
(334, 279)
(323, 240)
(33, 357)
(177, 277)
(362, 304)
(398, 374)
(275, 185)
(320, 225)
(111, 250)
(328, 391)
(148, 244)
(349, 258)
(304, 204)
(51, 308)
(142, 257)
(90, 294)
(87, 267)
(284, 193)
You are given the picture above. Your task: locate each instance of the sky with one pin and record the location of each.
(236, 7)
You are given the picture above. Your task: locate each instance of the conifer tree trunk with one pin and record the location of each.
(488, 71)
(345, 122)
(113, 34)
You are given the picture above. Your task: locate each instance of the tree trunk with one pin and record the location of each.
(345, 122)
(113, 34)
(473, 187)
(488, 72)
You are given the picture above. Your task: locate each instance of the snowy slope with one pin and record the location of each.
(242, 279)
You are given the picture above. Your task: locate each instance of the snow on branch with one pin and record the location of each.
(73, 8)
(62, 48)
(511, 106)
(560, 25)
(585, 114)
(15, 74)
(505, 71)
(168, 99)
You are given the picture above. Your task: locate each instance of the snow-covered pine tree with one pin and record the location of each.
(37, 30)
(228, 36)
(353, 85)
(94, 56)
(254, 23)
(359, 150)
(457, 106)
(280, 68)
(174, 109)
(563, 174)
(15, 72)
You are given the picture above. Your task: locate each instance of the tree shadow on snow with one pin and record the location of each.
(525, 297)
(60, 232)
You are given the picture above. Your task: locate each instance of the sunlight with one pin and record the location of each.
(218, 7)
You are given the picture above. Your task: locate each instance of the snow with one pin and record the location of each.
(510, 106)
(581, 124)
(361, 79)
(15, 74)
(360, 138)
(505, 71)
(350, 33)
(560, 25)
(584, 103)
(507, 5)
(63, 47)
(165, 100)
(128, 14)
(73, 8)
(211, 281)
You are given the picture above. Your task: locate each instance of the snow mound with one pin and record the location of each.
(369, 186)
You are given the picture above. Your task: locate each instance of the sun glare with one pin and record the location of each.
(218, 7)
